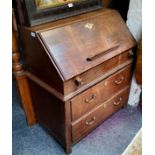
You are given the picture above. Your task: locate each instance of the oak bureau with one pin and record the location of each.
(79, 71)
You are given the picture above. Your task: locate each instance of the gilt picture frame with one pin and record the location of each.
(37, 12)
(42, 4)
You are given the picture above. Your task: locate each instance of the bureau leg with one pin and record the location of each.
(68, 150)
(68, 147)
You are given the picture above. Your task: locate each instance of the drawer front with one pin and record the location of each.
(88, 122)
(96, 72)
(99, 93)
(127, 55)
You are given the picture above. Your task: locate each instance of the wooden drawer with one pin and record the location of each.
(96, 72)
(85, 124)
(127, 55)
(99, 93)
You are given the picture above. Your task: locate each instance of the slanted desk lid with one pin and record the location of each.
(82, 45)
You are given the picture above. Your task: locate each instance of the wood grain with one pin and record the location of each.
(65, 42)
(97, 72)
(53, 114)
(96, 95)
(80, 128)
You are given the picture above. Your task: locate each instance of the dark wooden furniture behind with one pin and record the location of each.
(22, 83)
(138, 70)
(121, 5)
(79, 71)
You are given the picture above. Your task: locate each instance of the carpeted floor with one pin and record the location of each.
(110, 138)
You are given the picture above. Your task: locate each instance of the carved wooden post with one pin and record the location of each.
(22, 82)
(106, 3)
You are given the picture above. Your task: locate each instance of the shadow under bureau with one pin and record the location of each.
(79, 71)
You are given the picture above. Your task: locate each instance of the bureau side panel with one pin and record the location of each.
(38, 62)
(52, 113)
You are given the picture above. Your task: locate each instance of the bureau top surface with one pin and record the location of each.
(81, 45)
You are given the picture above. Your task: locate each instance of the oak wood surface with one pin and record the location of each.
(85, 124)
(96, 95)
(94, 73)
(67, 97)
(102, 41)
(38, 62)
(50, 111)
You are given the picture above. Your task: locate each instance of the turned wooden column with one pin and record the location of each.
(106, 3)
(22, 82)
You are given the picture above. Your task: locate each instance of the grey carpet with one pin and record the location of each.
(110, 138)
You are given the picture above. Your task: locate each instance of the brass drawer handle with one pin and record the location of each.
(89, 26)
(88, 123)
(118, 102)
(131, 53)
(78, 81)
(89, 100)
(120, 81)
